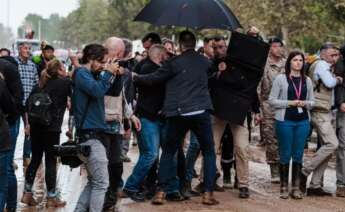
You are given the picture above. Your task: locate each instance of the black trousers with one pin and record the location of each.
(43, 142)
(115, 167)
(227, 151)
(177, 128)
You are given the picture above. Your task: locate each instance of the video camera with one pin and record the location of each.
(72, 149)
(69, 151)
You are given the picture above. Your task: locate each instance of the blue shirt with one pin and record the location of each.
(87, 87)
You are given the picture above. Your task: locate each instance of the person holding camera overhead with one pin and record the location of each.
(46, 107)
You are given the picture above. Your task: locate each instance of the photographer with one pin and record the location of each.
(91, 84)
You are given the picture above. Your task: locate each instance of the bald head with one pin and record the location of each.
(116, 47)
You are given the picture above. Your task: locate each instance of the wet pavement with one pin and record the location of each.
(264, 195)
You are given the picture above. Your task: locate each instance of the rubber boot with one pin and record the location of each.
(296, 181)
(284, 181)
(274, 167)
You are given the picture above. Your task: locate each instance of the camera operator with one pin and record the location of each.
(91, 84)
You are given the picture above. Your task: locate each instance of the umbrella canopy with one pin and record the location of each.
(201, 14)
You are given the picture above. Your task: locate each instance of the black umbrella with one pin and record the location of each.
(202, 14)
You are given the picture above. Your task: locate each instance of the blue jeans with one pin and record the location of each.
(12, 179)
(177, 128)
(4, 163)
(292, 136)
(192, 155)
(151, 136)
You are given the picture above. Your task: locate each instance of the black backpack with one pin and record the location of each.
(39, 108)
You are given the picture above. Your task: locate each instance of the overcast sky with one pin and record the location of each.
(20, 8)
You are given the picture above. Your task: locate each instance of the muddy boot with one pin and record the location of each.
(159, 198)
(284, 181)
(296, 181)
(199, 188)
(236, 182)
(303, 183)
(227, 182)
(340, 191)
(227, 175)
(55, 202)
(208, 199)
(109, 200)
(187, 191)
(274, 167)
(28, 198)
(244, 193)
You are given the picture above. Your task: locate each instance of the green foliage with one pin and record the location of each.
(302, 24)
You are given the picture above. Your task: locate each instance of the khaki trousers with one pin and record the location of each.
(241, 143)
(322, 122)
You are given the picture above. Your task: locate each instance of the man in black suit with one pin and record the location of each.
(233, 94)
(186, 106)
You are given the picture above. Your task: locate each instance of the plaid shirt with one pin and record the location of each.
(28, 76)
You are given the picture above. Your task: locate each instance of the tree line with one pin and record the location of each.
(303, 24)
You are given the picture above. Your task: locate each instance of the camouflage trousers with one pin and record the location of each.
(268, 135)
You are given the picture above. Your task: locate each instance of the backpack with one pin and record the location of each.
(39, 108)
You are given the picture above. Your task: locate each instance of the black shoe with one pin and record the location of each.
(200, 188)
(135, 196)
(284, 180)
(110, 200)
(10, 210)
(303, 183)
(174, 197)
(244, 193)
(319, 192)
(218, 188)
(150, 193)
(188, 192)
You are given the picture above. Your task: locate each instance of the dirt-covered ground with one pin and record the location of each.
(264, 195)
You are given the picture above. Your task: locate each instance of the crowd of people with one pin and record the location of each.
(177, 101)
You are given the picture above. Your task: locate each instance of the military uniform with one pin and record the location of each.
(272, 69)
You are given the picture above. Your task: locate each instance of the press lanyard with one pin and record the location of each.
(299, 91)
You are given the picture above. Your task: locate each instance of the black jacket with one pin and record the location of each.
(9, 68)
(150, 98)
(234, 93)
(340, 89)
(7, 107)
(59, 90)
(186, 78)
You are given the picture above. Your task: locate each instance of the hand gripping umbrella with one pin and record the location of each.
(200, 14)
